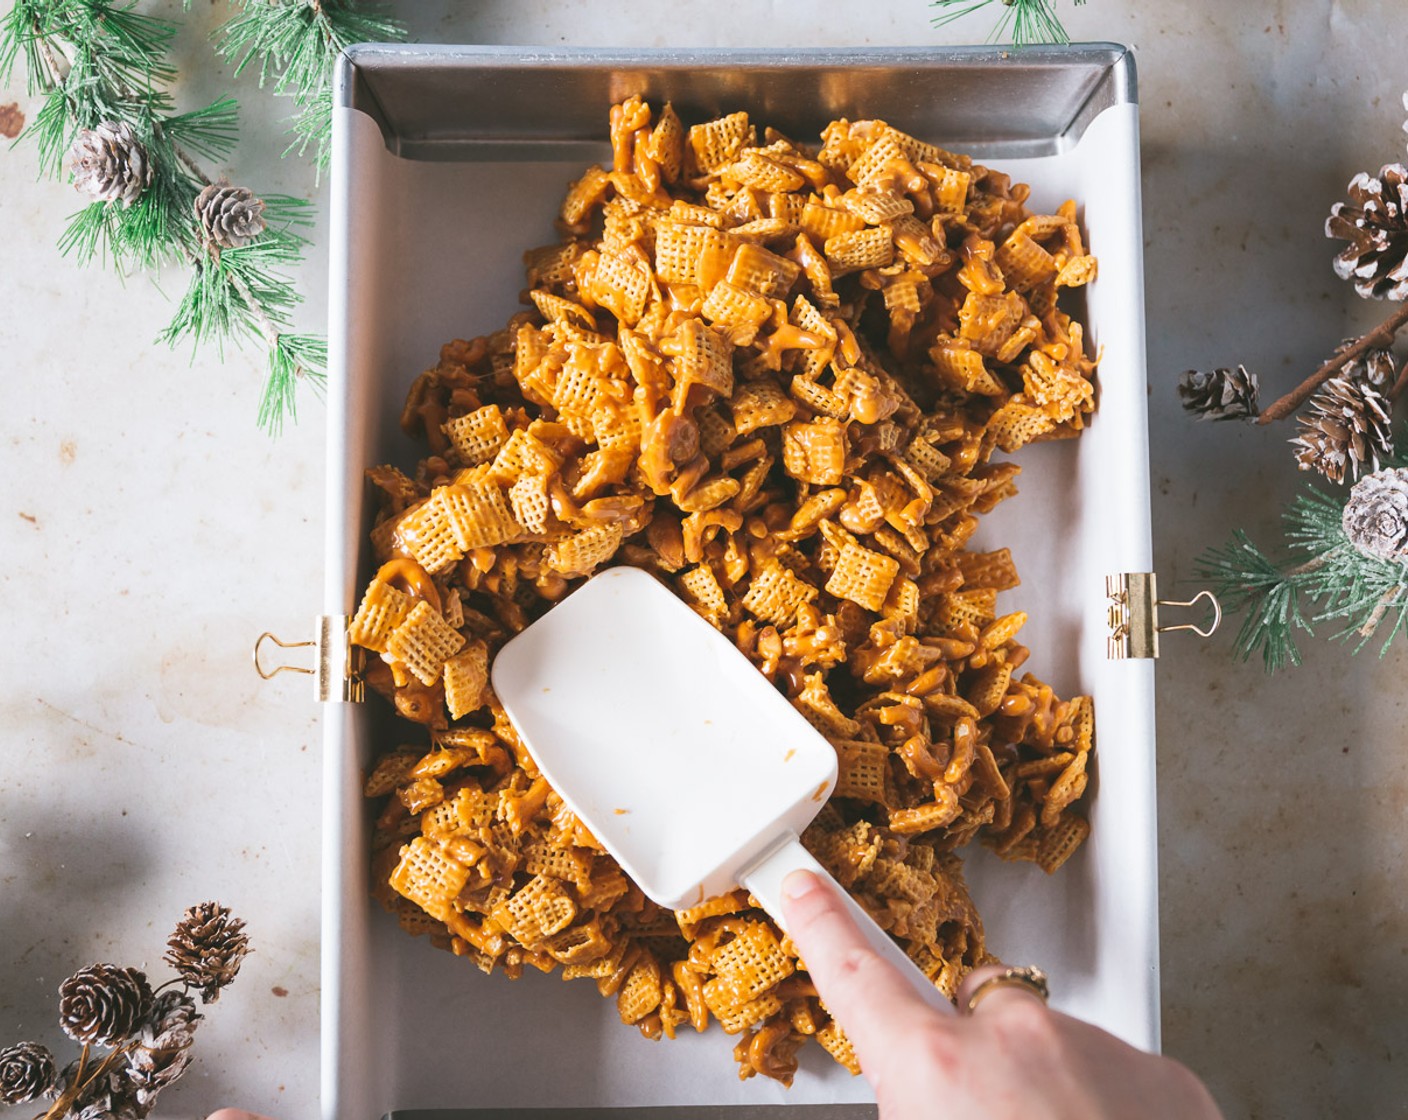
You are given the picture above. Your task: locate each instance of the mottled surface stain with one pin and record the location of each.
(11, 120)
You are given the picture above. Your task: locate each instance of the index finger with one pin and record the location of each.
(869, 998)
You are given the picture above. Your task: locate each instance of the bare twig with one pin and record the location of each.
(58, 72)
(1381, 336)
(1400, 383)
(1371, 623)
(191, 165)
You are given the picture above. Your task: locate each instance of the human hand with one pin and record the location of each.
(1011, 1058)
(235, 1114)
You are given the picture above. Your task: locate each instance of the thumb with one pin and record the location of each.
(866, 995)
(235, 1114)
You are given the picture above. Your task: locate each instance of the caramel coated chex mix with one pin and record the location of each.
(778, 376)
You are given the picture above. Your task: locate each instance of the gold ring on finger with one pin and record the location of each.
(1028, 978)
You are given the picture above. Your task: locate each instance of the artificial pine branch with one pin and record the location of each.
(1323, 573)
(1030, 21)
(295, 43)
(100, 62)
(1244, 579)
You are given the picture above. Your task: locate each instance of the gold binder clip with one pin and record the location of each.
(338, 670)
(1133, 615)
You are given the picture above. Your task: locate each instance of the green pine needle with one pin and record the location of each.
(294, 358)
(1029, 21)
(210, 132)
(295, 43)
(1245, 579)
(102, 60)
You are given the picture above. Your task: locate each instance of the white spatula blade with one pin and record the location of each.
(661, 736)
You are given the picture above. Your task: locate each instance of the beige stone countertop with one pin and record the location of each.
(149, 531)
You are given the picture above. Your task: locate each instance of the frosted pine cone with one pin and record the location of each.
(231, 216)
(26, 1073)
(1374, 367)
(1375, 223)
(1376, 516)
(1347, 426)
(102, 1004)
(1222, 394)
(109, 163)
(207, 949)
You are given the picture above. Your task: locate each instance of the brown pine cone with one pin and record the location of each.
(207, 949)
(109, 163)
(1219, 394)
(102, 1004)
(26, 1073)
(232, 217)
(1347, 426)
(1375, 223)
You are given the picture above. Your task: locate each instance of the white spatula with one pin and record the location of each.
(677, 754)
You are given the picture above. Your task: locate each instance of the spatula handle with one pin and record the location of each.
(764, 881)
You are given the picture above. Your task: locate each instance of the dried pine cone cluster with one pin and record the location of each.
(1347, 426)
(148, 1035)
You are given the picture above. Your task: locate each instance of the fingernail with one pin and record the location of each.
(799, 884)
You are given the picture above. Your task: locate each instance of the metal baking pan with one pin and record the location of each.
(448, 162)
